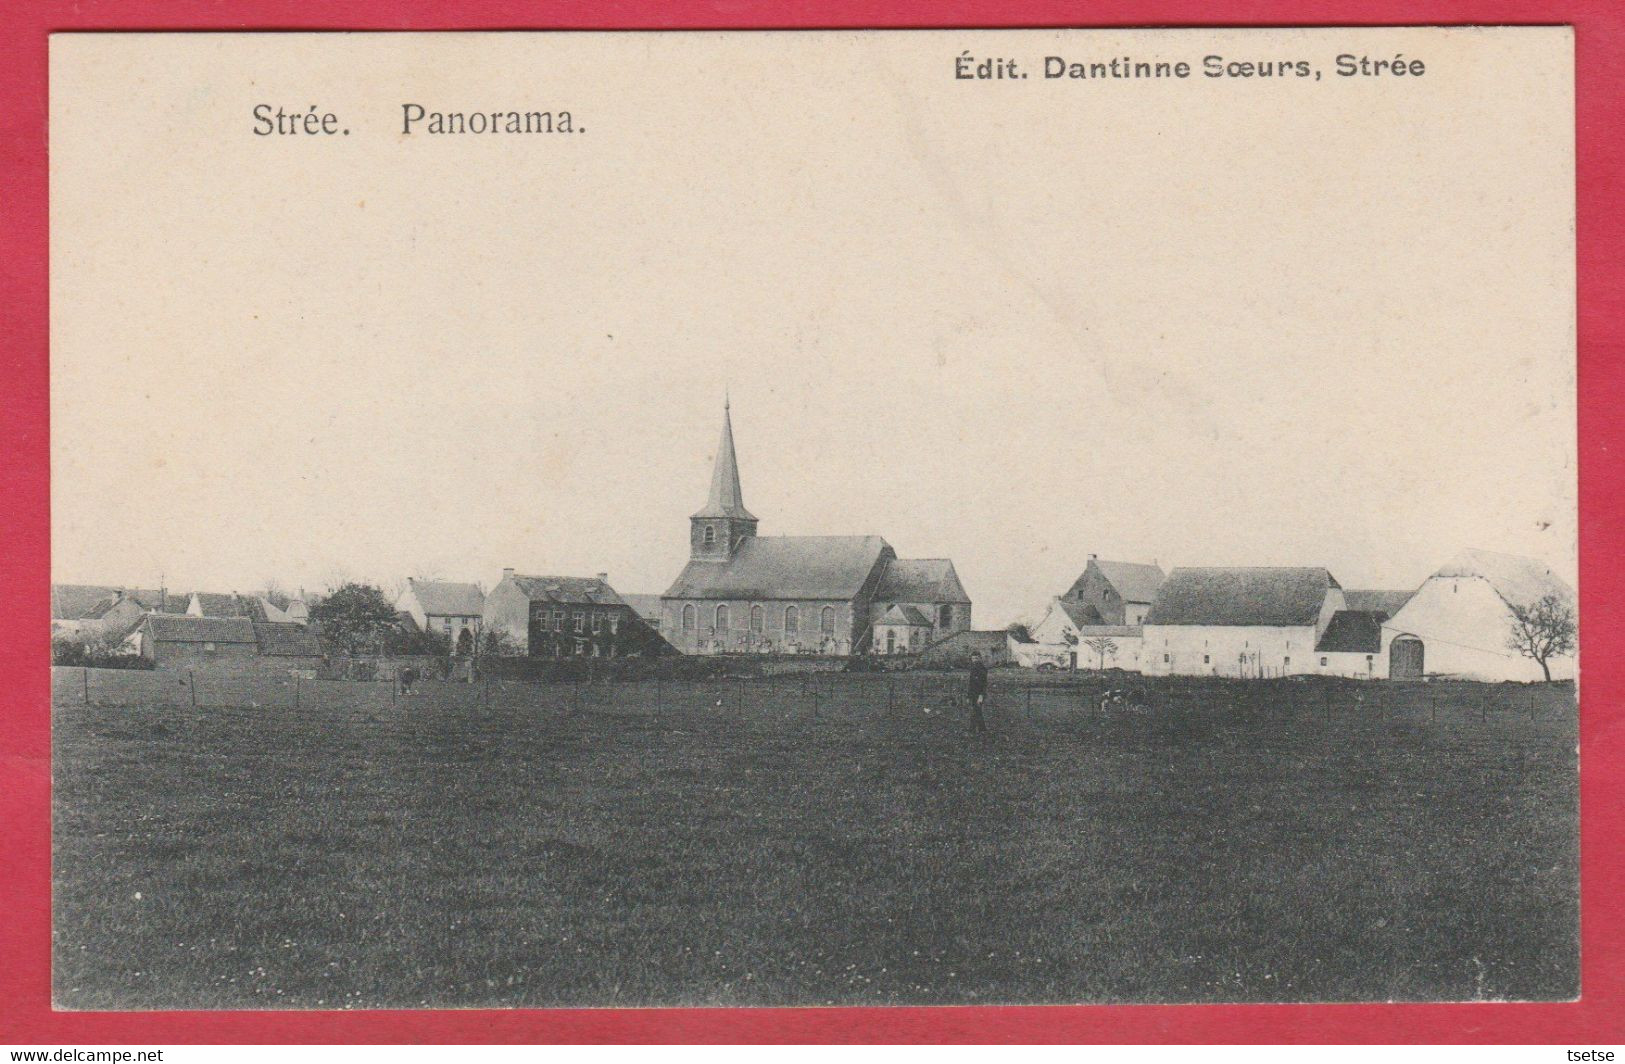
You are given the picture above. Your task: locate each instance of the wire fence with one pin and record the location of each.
(829, 696)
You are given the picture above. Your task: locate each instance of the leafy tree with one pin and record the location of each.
(499, 643)
(1543, 630)
(1020, 631)
(411, 642)
(354, 618)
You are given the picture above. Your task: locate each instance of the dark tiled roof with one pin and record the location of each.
(921, 580)
(1387, 603)
(1110, 631)
(570, 590)
(1352, 632)
(786, 567)
(1134, 581)
(445, 599)
(170, 628)
(83, 602)
(1281, 597)
(214, 604)
(905, 615)
(1080, 613)
(282, 640)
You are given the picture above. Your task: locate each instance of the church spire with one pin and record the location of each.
(726, 499)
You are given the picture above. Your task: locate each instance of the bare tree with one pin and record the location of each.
(1543, 630)
(1102, 645)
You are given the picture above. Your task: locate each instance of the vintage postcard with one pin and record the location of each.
(813, 518)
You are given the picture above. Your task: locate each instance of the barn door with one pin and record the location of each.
(1405, 658)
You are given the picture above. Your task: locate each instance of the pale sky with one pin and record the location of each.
(1201, 323)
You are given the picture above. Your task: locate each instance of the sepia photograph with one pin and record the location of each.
(813, 518)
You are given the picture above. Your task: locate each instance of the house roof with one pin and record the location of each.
(215, 604)
(645, 606)
(1080, 614)
(568, 590)
(182, 628)
(279, 640)
(1134, 581)
(1384, 602)
(921, 580)
(1272, 596)
(1110, 631)
(1352, 632)
(907, 615)
(786, 567)
(443, 598)
(84, 602)
(1520, 581)
(726, 500)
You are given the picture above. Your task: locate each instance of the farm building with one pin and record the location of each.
(1351, 646)
(88, 611)
(1113, 593)
(568, 617)
(288, 645)
(1252, 622)
(741, 593)
(226, 644)
(451, 609)
(1458, 622)
(1072, 635)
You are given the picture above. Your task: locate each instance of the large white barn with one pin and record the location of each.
(1253, 622)
(1458, 621)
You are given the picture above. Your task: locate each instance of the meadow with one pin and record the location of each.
(795, 841)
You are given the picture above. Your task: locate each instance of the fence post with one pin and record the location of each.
(394, 690)
(1483, 711)
(1029, 700)
(297, 682)
(86, 672)
(891, 694)
(191, 684)
(660, 694)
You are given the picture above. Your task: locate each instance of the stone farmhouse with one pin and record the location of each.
(1249, 622)
(451, 609)
(568, 617)
(226, 645)
(1096, 623)
(742, 593)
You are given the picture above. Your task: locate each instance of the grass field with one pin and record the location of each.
(747, 842)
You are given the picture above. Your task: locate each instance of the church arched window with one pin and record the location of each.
(688, 617)
(826, 620)
(792, 620)
(945, 617)
(710, 535)
(722, 617)
(756, 618)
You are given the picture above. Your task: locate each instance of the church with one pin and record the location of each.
(742, 593)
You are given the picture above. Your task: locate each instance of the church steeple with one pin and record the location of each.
(723, 524)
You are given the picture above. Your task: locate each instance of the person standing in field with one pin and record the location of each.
(978, 694)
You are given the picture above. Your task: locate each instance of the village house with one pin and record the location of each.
(1351, 645)
(226, 645)
(1251, 622)
(86, 612)
(1114, 593)
(742, 593)
(1095, 624)
(1458, 622)
(450, 609)
(568, 617)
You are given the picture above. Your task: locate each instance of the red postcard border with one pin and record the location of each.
(25, 1013)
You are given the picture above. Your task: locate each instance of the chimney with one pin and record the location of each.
(603, 578)
(507, 574)
(1094, 557)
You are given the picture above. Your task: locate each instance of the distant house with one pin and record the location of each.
(1114, 593)
(1458, 621)
(91, 611)
(902, 630)
(1072, 635)
(286, 645)
(451, 609)
(231, 604)
(183, 641)
(956, 650)
(568, 617)
(1251, 622)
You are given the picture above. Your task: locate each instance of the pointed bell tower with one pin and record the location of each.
(716, 532)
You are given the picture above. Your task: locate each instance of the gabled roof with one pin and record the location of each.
(645, 606)
(726, 500)
(1110, 631)
(1133, 581)
(921, 580)
(1387, 603)
(1277, 597)
(215, 604)
(84, 602)
(1518, 580)
(1081, 614)
(568, 590)
(1352, 632)
(181, 628)
(786, 567)
(442, 598)
(907, 615)
(279, 640)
